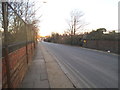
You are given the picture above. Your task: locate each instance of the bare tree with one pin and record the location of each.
(26, 10)
(75, 23)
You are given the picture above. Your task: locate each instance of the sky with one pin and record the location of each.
(97, 14)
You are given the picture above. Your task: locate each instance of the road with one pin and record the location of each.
(86, 68)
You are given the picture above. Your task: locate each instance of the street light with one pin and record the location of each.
(37, 8)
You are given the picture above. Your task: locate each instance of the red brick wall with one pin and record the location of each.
(18, 65)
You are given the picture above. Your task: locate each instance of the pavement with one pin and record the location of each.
(44, 72)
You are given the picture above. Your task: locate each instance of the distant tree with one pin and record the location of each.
(100, 35)
(101, 30)
(55, 37)
(96, 34)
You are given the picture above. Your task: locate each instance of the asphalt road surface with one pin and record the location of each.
(86, 68)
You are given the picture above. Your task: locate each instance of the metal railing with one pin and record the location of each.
(16, 33)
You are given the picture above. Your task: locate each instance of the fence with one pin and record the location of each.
(104, 45)
(18, 46)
